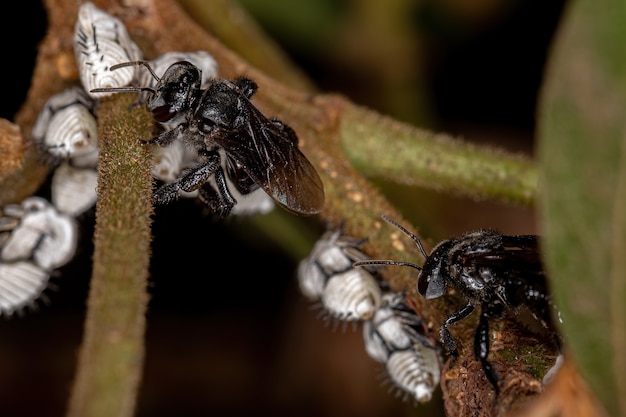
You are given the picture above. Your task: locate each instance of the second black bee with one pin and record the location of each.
(496, 273)
(231, 137)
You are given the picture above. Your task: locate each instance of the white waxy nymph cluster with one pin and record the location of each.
(394, 337)
(35, 239)
(392, 332)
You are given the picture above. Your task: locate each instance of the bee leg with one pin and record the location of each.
(545, 311)
(219, 201)
(166, 193)
(446, 338)
(246, 86)
(192, 179)
(481, 350)
(166, 138)
(212, 200)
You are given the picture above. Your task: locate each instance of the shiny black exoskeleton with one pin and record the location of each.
(496, 274)
(231, 137)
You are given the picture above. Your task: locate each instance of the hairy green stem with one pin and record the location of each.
(111, 356)
(381, 147)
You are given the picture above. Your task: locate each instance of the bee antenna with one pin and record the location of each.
(136, 63)
(408, 233)
(385, 262)
(128, 89)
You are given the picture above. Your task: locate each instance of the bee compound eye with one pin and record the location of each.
(163, 113)
(422, 285)
(431, 285)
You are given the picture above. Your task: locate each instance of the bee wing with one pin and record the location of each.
(517, 252)
(516, 262)
(268, 152)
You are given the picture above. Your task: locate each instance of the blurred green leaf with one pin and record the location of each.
(310, 23)
(582, 139)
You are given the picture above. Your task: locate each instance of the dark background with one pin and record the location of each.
(228, 332)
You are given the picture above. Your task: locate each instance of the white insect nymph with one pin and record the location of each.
(21, 283)
(346, 293)
(43, 235)
(394, 337)
(66, 128)
(74, 189)
(35, 239)
(101, 41)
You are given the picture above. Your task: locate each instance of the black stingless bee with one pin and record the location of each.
(231, 137)
(495, 273)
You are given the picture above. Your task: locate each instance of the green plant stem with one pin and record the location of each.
(381, 147)
(111, 356)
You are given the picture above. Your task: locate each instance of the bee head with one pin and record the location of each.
(173, 93)
(431, 281)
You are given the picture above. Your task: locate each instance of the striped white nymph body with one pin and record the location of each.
(74, 189)
(35, 239)
(346, 293)
(101, 41)
(394, 337)
(66, 128)
(42, 235)
(168, 161)
(21, 284)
